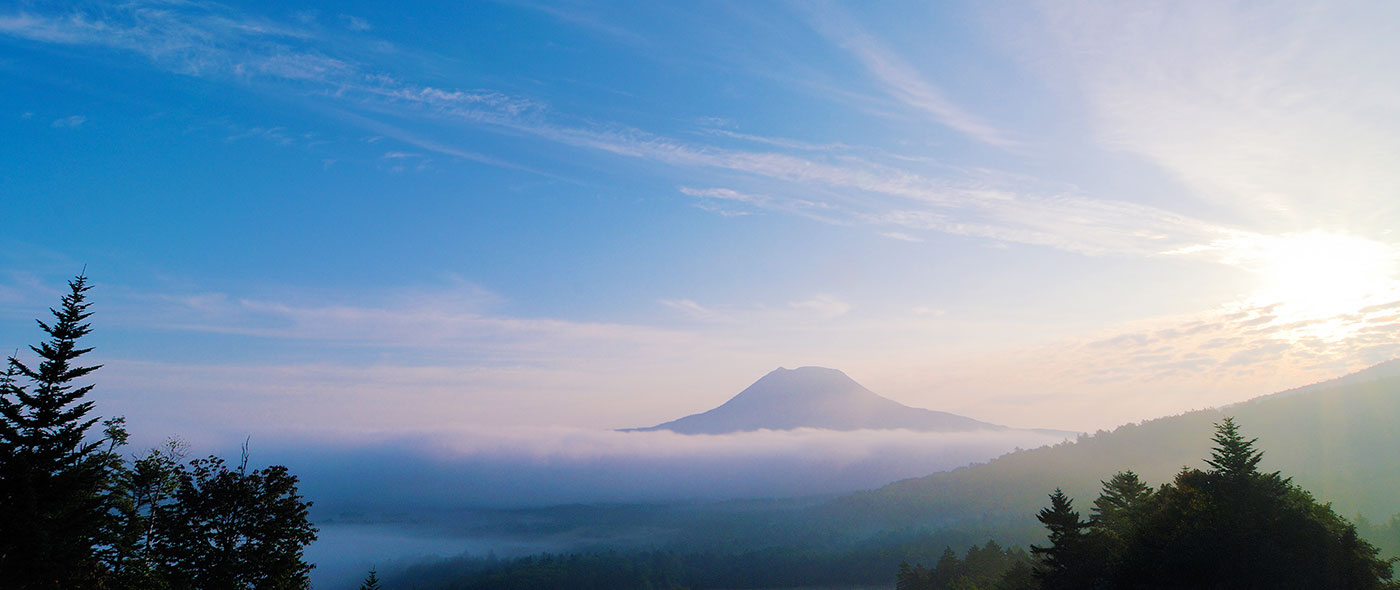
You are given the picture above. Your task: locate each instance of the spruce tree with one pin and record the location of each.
(1233, 457)
(903, 578)
(1062, 563)
(947, 567)
(1124, 497)
(56, 481)
(372, 580)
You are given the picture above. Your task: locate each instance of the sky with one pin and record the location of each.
(339, 219)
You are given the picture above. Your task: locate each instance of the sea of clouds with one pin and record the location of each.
(529, 467)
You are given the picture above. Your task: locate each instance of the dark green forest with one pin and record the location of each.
(1230, 526)
(76, 513)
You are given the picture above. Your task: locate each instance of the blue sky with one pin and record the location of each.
(323, 218)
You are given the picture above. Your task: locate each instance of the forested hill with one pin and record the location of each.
(1336, 439)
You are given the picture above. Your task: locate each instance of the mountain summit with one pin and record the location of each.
(816, 397)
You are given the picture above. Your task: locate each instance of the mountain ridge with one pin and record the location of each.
(1333, 438)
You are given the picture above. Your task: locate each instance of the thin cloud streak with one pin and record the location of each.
(898, 199)
(69, 122)
(899, 78)
(584, 21)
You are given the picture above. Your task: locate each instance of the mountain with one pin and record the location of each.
(817, 397)
(1336, 439)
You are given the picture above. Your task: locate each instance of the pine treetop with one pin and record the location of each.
(1233, 456)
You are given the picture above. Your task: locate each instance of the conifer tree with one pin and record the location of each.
(904, 579)
(1062, 561)
(56, 481)
(372, 580)
(1018, 577)
(1233, 457)
(1117, 508)
(947, 567)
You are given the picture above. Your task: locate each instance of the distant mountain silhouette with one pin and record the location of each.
(817, 397)
(1337, 439)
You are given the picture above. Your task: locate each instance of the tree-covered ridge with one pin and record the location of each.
(1232, 526)
(75, 514)
(1326, 437)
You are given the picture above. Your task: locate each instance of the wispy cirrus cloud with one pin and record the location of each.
(189, 40)
(585, 20)
(456, 319)
(899, 78)
(893, 197)
(1240, 128)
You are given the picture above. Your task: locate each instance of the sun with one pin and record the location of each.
(1318, 275)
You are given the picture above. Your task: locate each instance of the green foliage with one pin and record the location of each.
(1233, 457)
(230, 529)
(145, 487)
(1121, 503)
(1385, 535)
(75, 515)
(1230, 527)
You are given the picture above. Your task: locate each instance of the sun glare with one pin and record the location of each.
(1318, 275)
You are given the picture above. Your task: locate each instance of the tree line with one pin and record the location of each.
(1231, 526)
(76, 513)
(982, 568)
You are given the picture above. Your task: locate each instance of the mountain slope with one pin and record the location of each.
(816, 397)
(1337, 440)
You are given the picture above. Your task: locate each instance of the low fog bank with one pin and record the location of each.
(385, 500)
(344, 552)
(532, 467)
